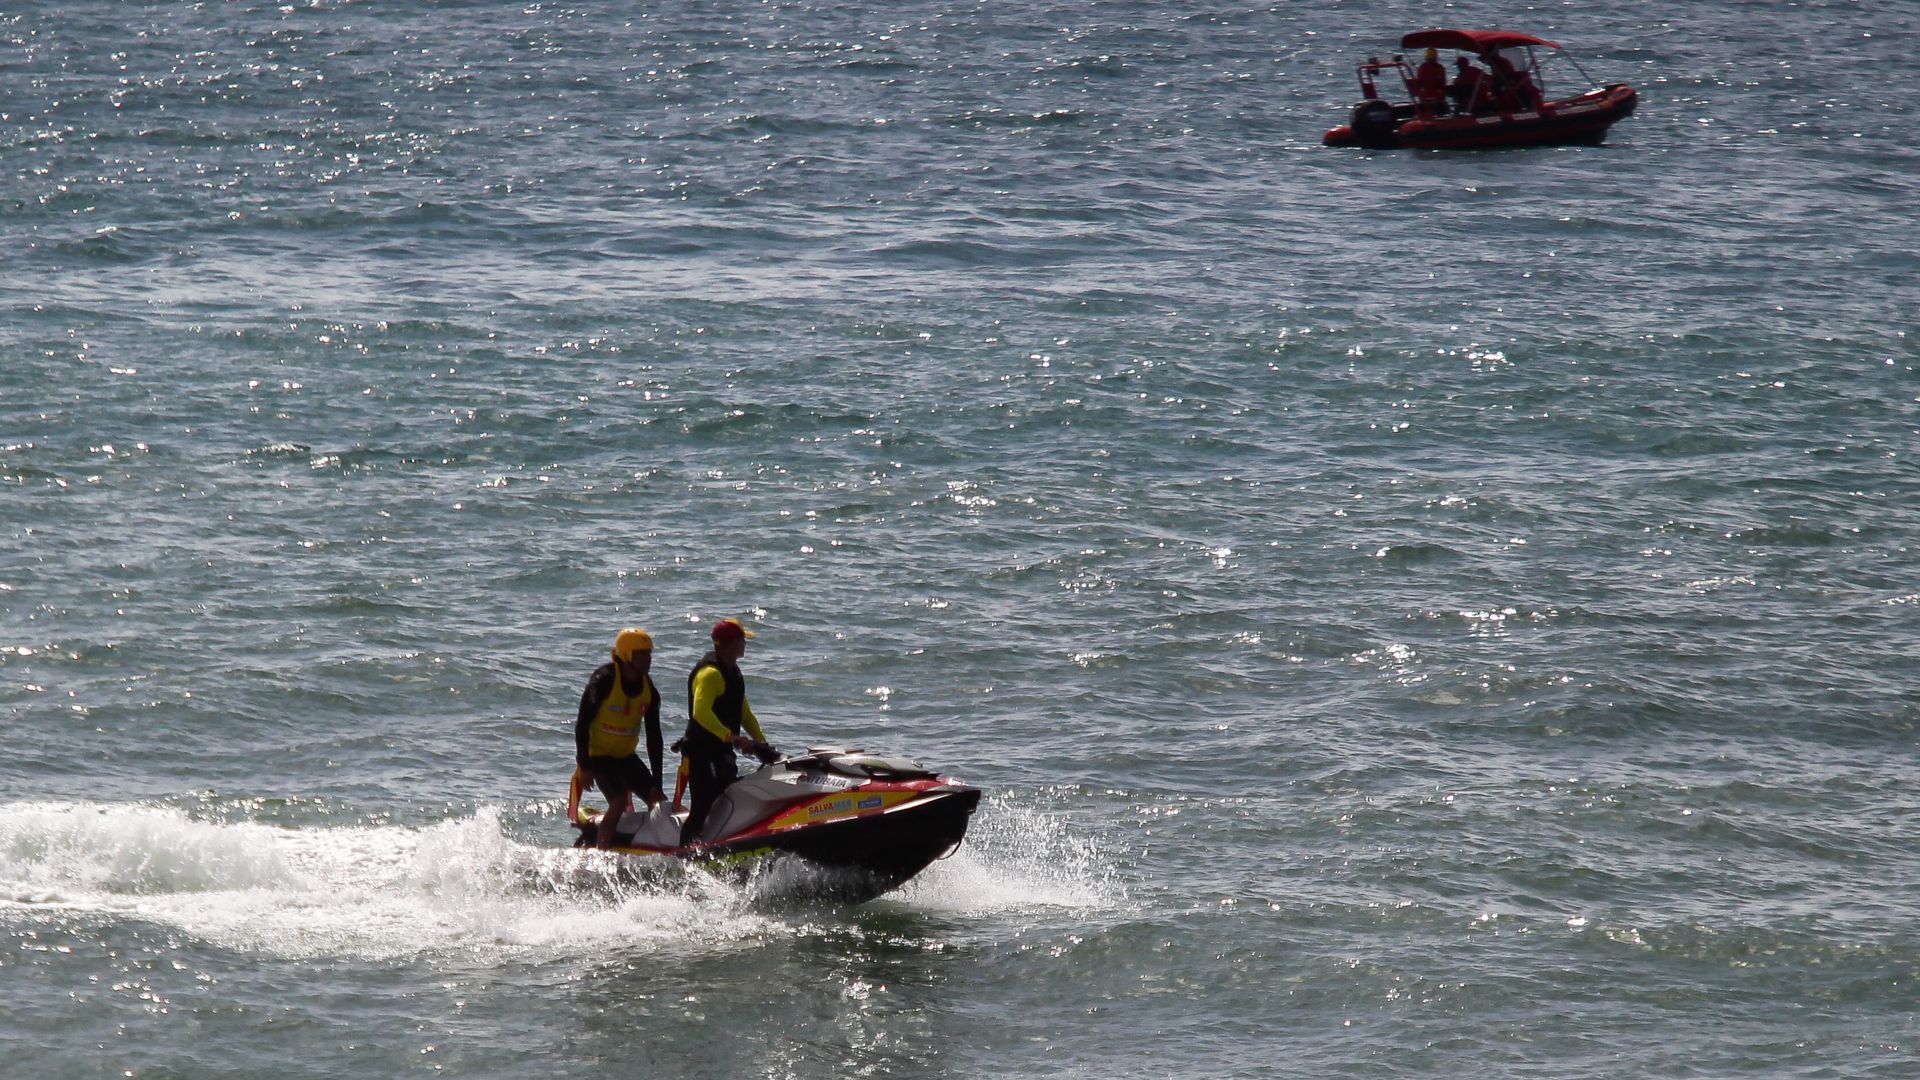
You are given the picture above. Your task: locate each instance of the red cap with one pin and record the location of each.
(730, 630)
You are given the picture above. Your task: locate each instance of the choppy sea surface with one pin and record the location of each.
(1413, 614)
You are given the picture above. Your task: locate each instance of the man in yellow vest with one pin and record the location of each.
(719, 723)
(619, 700)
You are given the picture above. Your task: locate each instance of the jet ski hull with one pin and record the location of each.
(852, 827)
(888, 846)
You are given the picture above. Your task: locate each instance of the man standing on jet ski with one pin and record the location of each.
(717, 711)
(620, 697)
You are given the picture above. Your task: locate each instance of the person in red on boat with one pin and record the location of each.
(620, 701)
(1429, 86)
(1468, 89)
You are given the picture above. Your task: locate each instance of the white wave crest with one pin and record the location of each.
(364, 891)
(460, 886)
(1015, 858)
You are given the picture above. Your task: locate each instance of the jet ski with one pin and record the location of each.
(859, 824)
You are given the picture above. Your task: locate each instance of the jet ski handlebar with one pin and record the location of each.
(765, 753)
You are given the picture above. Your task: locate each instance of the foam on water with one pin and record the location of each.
(1016, 858)
(373, 892)
(459, 886)
(71, 853)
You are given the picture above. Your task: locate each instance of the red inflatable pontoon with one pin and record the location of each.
(1503, 104)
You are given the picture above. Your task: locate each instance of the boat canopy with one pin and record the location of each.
(1476, 41)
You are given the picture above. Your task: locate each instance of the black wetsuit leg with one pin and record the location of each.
(619, 776)
(707, 776)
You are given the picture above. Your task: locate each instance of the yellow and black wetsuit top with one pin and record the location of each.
(610, 720)
(717, 708)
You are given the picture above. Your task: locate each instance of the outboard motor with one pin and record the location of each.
(1373, 125)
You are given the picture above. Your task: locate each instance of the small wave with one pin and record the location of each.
(409, 219)
(371, 458)
(106, 247)
(1055, 251)
(1109, 66)
(27, 474)
(1416, 554)
(991, 118)
(1696, 443)
(352, 603)
(1786, 536)
(1804, 946)
(875, 64)
(961, 252)
(781, 124)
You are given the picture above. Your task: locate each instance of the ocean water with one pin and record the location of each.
(1413, 614)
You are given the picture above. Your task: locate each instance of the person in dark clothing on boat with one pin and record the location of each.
(619, 702)
(1468, 89)
(720, 723)
(1513, 89)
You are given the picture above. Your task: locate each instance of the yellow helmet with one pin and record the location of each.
(630, 641)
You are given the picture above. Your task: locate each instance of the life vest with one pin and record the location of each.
(727, 707)
(1430, 81)
(615, 731)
